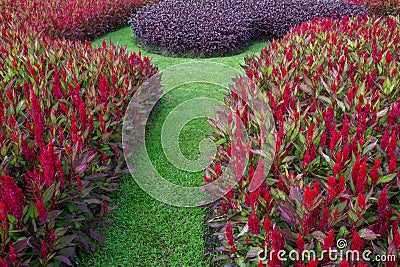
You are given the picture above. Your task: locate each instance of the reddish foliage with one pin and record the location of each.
(381, 7)
(74, 20)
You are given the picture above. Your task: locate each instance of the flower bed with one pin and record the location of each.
(61, 110)
(73, 20)
(333, 88)
(381, 7)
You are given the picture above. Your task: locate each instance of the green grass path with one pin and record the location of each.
(145, 232)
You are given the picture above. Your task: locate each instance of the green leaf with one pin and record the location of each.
(278, 194)
(32, 211)
(48, 194)
(343, 232)
(386, 179)
(12, 219)
(353, 216)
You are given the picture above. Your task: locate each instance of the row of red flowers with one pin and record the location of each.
(73, 20)
(381, 7)
(61, 109)
(334, 91)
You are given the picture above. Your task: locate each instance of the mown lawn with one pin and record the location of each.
(144, 231)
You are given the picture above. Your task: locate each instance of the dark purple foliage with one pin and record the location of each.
(212, 28)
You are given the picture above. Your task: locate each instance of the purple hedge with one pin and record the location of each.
(214, 28)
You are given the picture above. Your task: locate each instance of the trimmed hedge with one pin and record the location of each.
(61, 110)
(213, 28)
(334, 90)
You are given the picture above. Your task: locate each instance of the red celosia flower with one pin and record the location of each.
(336, 213)
(41, 211)
(104, 89)
(269, 201)
(74, 128)
(3, 262)
(328, 117)
(346, 153)
(230, 193)
(395, 225)
(277, 245)
(338, 166)
(355, 169)
(391, 151)
(323, 140)
(396, 239)
(289, 55)
(356, 241)
(218, 168)
(3, 211)
(44, 250)
(300, 243)
(344, 263)
(361, 201)
(334, 137)
(392, 165)
(38, 119)
(56, 87)
(254, 223)
(374, 174)
(308, 197)
(104, 158)
(82, 113)
(384, 212)
(345, 129)
(331, 186)
(229, 235)
(12, 256)
(313, 263)
(267, 224)
(253, 198)
(361, 177)
(389, 58)
(47, 159)
(12, 196)
(385, 138)
(341, 185)
(206, 179)
(329, 240)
